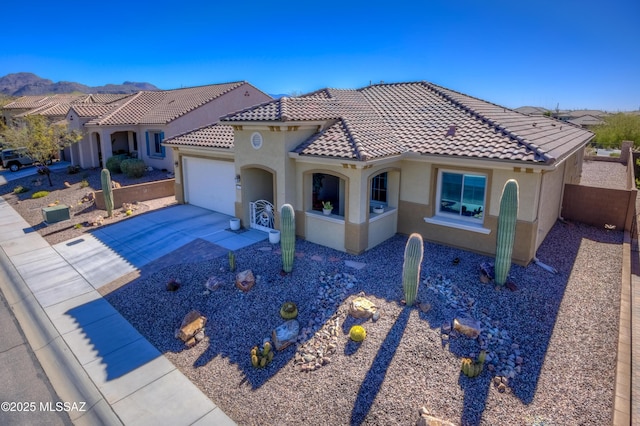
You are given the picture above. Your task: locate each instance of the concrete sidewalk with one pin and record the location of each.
(91, 354)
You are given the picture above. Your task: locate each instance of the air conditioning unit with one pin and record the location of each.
(56, 213)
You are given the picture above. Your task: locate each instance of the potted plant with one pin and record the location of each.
(274, 236)
(327, 207)
(234, 223)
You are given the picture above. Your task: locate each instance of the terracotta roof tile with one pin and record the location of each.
(214, 136)
(93, 110)
(388, 119)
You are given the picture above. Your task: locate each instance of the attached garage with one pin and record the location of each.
(210, 184)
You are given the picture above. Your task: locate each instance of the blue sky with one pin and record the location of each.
(575, 54)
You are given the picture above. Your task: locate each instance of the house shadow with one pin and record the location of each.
(372, 382)
(114, 341)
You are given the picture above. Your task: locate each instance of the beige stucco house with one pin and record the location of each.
(391, 158)
(138, 124)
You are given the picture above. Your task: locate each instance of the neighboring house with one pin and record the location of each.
(13, 111)
(586, 121)
(531, 110)
(433, 159)
(138, 124)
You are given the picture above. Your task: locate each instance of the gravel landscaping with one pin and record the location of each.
(73, 190)
(551, 341)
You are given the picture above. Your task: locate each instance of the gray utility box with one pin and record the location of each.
(56, 213)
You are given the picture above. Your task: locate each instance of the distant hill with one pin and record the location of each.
(26, 83)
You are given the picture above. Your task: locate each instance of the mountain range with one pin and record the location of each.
(25, 83)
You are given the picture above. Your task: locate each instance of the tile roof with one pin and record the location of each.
(213, 136)
(93, 110)
(162, 107)
(37, 101)
(389, 119)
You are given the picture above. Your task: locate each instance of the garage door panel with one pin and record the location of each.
(210, 184)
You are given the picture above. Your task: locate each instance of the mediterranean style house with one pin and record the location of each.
(137, 124)
(384, 159)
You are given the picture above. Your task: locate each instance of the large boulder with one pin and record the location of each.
(245, 280)
(467, 326)
(285, 334)
(361, 307)
(191, 329)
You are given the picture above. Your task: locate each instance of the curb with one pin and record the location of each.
(65, 373)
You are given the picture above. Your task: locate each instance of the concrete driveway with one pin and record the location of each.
(113, 251)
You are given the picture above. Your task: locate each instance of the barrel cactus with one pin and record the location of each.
(471, 368)
(506, 230)
(413, 253)
(107, 191)
(287, 236)
(357, 333)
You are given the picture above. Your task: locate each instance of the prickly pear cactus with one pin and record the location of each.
(287, 236)
(107, 190)
(413, 253)
(506, 230)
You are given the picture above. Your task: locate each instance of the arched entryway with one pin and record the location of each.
(258, 196)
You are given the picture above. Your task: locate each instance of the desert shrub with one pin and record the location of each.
(133, 167)
(40, 194)
(84, 183)
(20, 189)
(113, 163)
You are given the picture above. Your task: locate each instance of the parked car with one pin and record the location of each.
(14, 158)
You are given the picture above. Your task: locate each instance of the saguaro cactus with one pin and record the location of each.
(107, 191)
(287, 236)
(413, 253)
(506, 230)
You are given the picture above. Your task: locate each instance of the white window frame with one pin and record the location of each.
(455, 220)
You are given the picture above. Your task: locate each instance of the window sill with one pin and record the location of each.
(457, 224)
(157, 157)
(376, 216)
(331, 218)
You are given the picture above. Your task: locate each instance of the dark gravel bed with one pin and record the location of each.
(561, 329)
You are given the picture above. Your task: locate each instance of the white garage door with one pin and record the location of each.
(210, 184)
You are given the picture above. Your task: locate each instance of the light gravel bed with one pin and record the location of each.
(561, 329)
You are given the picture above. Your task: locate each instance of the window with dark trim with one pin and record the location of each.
(461, 195)
(379, 188)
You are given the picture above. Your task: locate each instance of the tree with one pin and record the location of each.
(43, 140)
(617, 128)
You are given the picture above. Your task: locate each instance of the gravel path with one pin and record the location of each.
(556, 335)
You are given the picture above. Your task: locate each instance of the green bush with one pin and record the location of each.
(40, 194)
(133, 167)
(113, 163)
(84, 183)
(20, 189)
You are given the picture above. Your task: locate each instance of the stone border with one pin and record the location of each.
(622, 397)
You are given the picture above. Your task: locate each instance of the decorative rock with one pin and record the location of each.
(467, 326)
(245, 280)
(192, 324)
(67, 184)
(375, 316)
(285, 334)
(425, 307)
(428, 420)
(361, 307)
(213, 283)
(173, 284)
